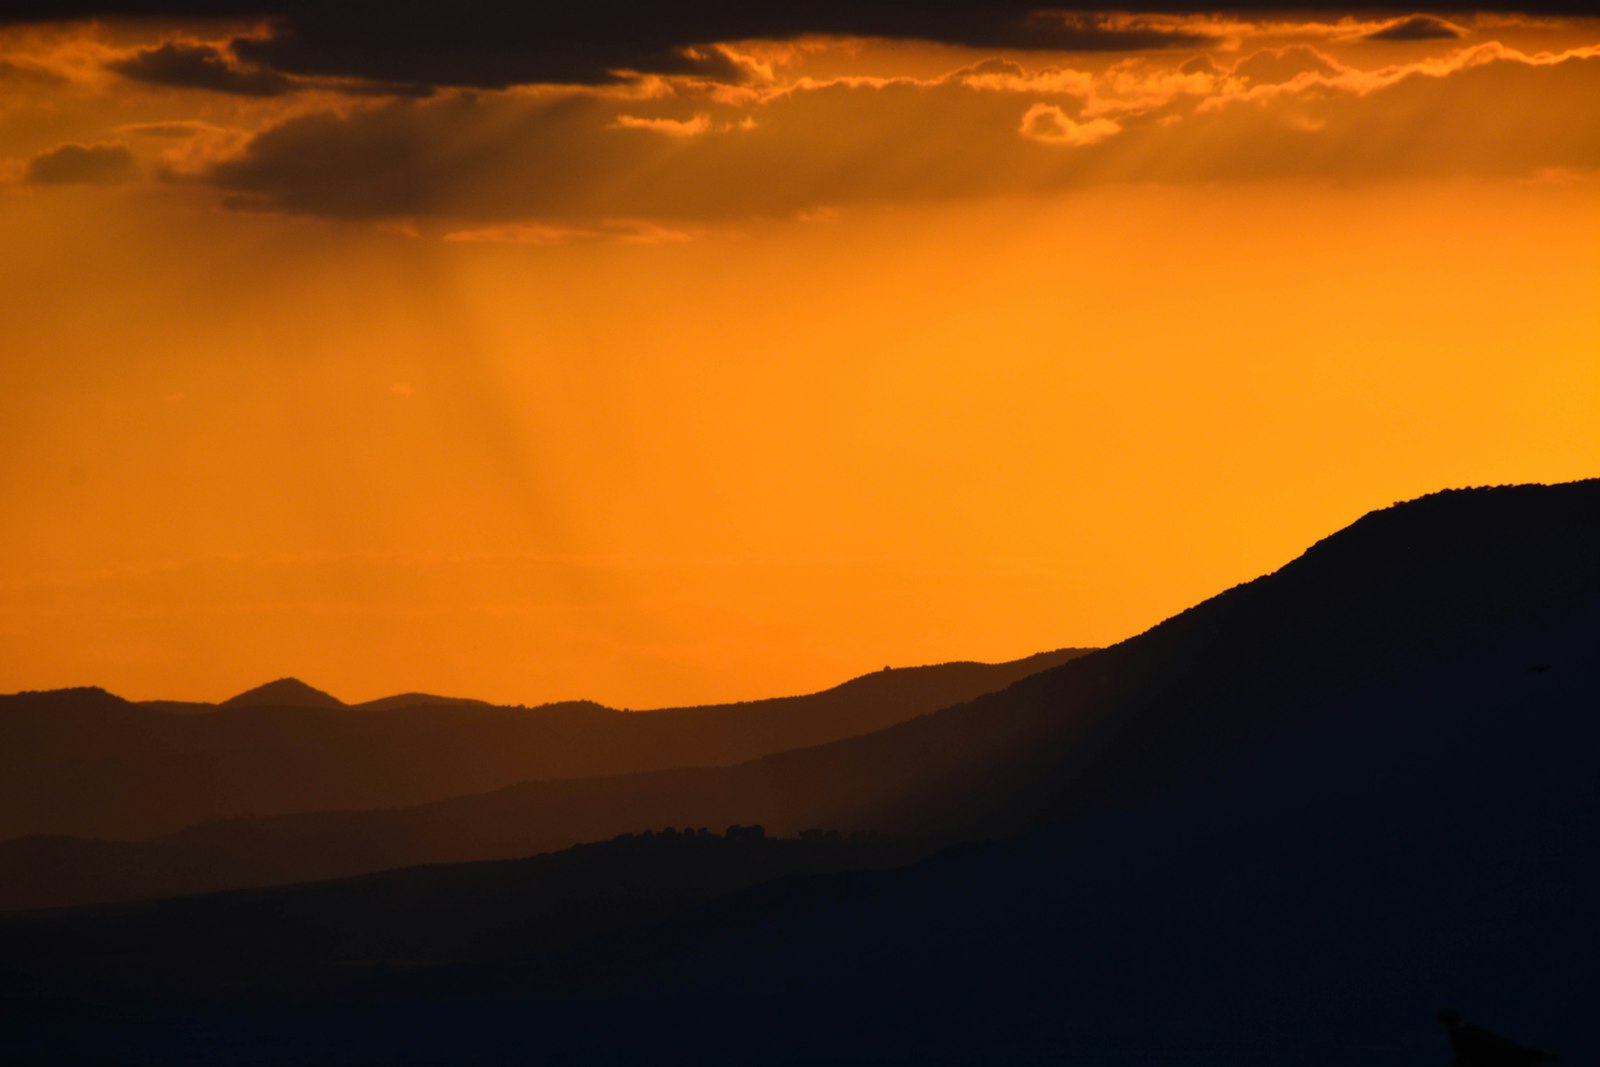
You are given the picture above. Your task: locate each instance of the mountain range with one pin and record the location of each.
(1283, 827)
(84, 762)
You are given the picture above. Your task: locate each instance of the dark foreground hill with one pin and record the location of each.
(1285, 827)
(85, 762)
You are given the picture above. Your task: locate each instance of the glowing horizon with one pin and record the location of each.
(734, 381)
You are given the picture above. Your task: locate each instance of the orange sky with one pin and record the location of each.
(687, 388)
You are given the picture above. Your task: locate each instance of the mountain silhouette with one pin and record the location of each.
(1279, 828)
(283, 693)
(1463, 580)
(418, 700)
(143, 771)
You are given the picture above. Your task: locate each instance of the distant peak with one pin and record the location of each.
(284, 693)
(415, 700)
(74, 693)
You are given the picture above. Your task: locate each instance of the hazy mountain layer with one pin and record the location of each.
(85, 762)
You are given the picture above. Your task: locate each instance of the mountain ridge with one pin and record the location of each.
(1117, 728)
(147, 771)
(283, 693)
(1281, 827)
(294, 689)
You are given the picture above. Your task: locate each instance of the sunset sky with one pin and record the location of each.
(660, 357)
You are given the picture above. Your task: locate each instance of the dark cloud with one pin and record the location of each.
(74, 164)
(560, 155)
(491, 44)
(1417, 28)
(566, 155)
(192, 65)
(494, 44)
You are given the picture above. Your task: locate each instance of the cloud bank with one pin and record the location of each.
(76, 164)
(194, 65)
(490, 44)
(695, 151)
